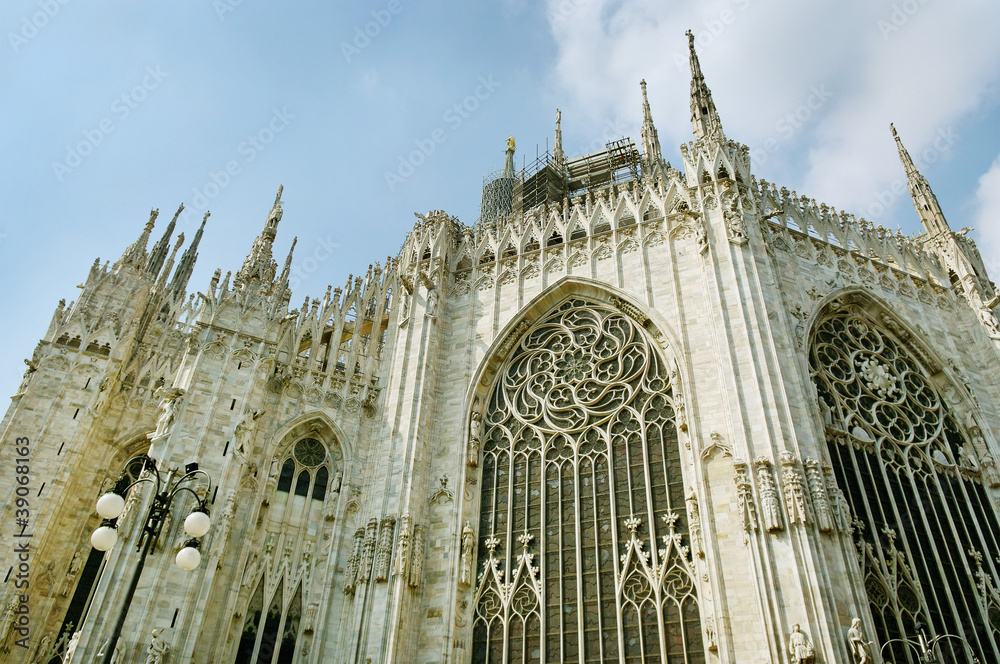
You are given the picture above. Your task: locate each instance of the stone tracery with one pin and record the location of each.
(581, 479)
(894, 444)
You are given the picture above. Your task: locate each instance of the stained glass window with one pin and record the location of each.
(925, 531)
(583, 533)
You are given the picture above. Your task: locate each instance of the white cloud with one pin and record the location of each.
(987, 218)
(920, 64)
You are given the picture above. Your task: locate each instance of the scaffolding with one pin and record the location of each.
(498, 196)
(548, 180)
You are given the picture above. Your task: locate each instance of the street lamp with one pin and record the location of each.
(925, 647)
(111, 505)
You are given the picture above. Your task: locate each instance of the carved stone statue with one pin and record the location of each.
(861, 651)
(475, 427)
(967, 457)
(244, 432)
(169, 401)
(795, 493)
(75, 565)
(71, 648)
(432, 302)
(119, 655)
(272, 481)
(157, 650)
(338, 480)
(990, 474)
(468, 542)
(799, 648)
(44, 646)
(770, 506)
(694, 523)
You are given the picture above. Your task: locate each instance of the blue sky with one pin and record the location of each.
(114, 109)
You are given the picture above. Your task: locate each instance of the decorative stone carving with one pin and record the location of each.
(736, 227)
(799, 647)
(989, 469)
(368, 550)
(309, 620)
(169, 402)
(71, 648)
(468, 546)
(417, 557)
(75, 565)
(839, 506)
(403, 547)
(694, 523)
(744, 498)
(820, 500)
(158, 648)
(770, 506)
(383, 554)
(475, 426)
(860, 649)
(243, 433)
(795, 493)
(354, 562)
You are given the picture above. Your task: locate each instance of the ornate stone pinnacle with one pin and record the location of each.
(632, 523)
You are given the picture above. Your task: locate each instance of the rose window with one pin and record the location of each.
(581, 467)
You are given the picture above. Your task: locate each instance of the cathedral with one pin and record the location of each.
(634, 414)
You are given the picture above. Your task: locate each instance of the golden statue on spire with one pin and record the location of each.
(510, 143)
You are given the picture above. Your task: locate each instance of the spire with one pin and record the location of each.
(259, 265)
(558, 156)
(161, 247)
(651, 155)
(508, 163)
(162, 281)
(285, 271)
(704, 117)
(924, 200)
(135, 253)
(179, 283)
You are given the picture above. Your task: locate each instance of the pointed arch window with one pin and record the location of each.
(285, 479)
(925, 531)
(307, 468)
(583, 531)
(269, 637)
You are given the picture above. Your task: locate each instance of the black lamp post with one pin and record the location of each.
(925, 647)
(111, 505)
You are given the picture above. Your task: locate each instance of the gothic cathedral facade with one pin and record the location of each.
(634, 414)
